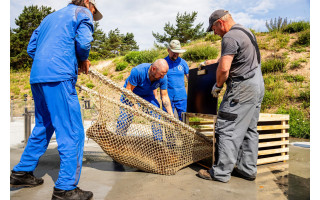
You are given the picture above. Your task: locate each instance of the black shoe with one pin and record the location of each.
(75, 194)
(236, 173)
(24, 179)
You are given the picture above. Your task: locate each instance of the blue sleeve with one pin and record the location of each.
(134, 77)
(32, 46)
(84, 35)
(164, 83)
(186, 68)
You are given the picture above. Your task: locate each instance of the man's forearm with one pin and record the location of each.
(167, 104)
(221, 76)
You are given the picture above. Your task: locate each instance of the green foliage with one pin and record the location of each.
(212, 37)
(273, 65)
(118, 78)
(298, 49)
(299, 123)
(272, 98)
(121, 66)
(90, 85)
(27, 22)
(293, 78)
(200, 52)
(138, 57)
(295, 27)
(15, 90)
(303, 39)
(276, 24)
(182, 31)
(304, 95)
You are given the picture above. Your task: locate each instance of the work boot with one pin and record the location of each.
(24, 179)
(204, 174)
(238, 174)
(75, 194)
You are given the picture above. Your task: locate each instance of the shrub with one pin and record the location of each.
(118, 78)
(295, 27)
(303, 39)
(90, 85)
(272, 97)
(292, 78)
(299, 123)
(200, 53)
(304, 95)
(138, 57)
(273, 65)
(121, 66)
(15, 90)
(212, 37)
(94, 56)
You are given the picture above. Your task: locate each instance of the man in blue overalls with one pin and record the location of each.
(178, 68)
(143, 80)
(239, 66)
(58, 47)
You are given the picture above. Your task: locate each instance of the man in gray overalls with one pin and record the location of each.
(239, 66)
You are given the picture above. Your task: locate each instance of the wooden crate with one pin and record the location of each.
(272, 128)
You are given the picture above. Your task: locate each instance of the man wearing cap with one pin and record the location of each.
(58, 47)
(178, 68)
(236, 127)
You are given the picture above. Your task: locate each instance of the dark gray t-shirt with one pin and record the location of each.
(237, 43)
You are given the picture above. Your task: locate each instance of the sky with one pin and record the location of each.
(142, 17)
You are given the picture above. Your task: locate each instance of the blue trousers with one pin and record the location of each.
(125, 118)
(180, 105)
(57, 109)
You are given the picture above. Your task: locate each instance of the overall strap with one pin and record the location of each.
(253, 41)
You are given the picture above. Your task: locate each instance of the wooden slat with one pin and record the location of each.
(205, 129)
(272, 127)
(272, 159)
(273, 151)
(266, 117)
(270, 144)
(202, 123)
(276, 135)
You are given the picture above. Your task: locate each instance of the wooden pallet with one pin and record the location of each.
(272, 128)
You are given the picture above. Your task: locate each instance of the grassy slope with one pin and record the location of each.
(283, 91)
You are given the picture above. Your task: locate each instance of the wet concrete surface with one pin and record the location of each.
(110, 180)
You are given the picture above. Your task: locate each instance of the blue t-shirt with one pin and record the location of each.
(177, 70)
(139, 77)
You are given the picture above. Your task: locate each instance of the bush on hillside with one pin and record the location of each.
(295, 27)
(200, 53)
(293, 78)
(273, 65)
(138, 57)
(303, 39)
(121, 66)
(212, 37)
(299, 123)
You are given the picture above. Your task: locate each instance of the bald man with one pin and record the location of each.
(143, 80)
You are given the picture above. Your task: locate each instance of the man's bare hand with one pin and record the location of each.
(84, 66)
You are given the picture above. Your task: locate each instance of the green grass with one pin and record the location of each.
(299, 122)
(295, 27)
(303, 39)
(273, 65)
(293, 78)
(90, 85)
(212, 37)
(121, 66)
(138, 57)
(200, 53)
(296, 64)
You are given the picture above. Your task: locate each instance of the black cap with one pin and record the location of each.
(215, 16)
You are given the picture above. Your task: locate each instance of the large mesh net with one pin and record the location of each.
(138, 134)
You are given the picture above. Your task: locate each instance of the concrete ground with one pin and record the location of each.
(108, 180)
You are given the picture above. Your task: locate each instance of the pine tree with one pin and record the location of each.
(27, 22)
(182, 31)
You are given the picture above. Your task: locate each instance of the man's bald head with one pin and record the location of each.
(158, 69)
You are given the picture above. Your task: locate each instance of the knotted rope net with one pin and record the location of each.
(138, 134)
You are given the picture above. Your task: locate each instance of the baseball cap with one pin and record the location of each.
(97, 16)
(215, 16)
(175, 47)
